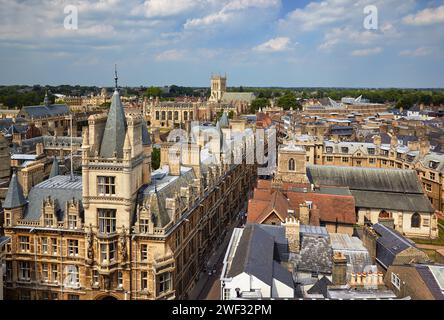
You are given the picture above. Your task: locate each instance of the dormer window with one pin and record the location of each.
(344, 149)
(433, 164)
(329, 149)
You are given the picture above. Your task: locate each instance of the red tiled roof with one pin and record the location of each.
(259, 210)
(331, 207)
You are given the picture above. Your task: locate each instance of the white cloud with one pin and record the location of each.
(167, 8)
(229, 10)
(366, 52)
(274, 45)
(419, 52)
(426, 17)
(170, 55)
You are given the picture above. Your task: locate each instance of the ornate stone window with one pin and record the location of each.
(106, 186)
(416, 220)
(107, 221)
(164, 282)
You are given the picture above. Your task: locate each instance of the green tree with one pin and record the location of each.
(258, 104)
(153, 92)
(155, 158)
(288, 101)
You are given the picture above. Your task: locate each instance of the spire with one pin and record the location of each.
(55, 170)
(116, 77)
(115, 129)
(224, 123)
(14, 196)
(46, 100)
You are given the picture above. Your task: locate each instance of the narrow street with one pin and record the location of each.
(208, 286)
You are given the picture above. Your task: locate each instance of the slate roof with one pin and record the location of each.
(115, 130)
(431, 275)
(281, 250)
(165, 186)
(14, 197)
(389, 244)
(321, 287)
(254, 255)
(59, 188)
(45, 111)
(315, 254)
(228, 97)
(391, 189)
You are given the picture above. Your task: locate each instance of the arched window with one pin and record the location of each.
(416, 220)
(176, 115)
(170, 115)
(185, 115)
(163, 115)
(291, 165)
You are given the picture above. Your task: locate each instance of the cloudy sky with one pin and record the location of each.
(256, 42)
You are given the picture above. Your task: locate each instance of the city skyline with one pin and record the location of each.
(287, 44)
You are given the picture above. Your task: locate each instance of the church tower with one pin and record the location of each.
(218, 88)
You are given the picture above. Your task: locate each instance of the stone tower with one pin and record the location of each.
(292, 233)
(218, 88)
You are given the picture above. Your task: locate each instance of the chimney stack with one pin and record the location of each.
(292, 233)
(339, 269)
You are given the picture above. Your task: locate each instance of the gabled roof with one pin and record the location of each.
(115, 130)
(14, 196)
(259, 212)
(321, 287)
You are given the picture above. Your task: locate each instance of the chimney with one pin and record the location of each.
(292, 233)
(39, 149)
(424, 147)
(315, 216)
(377, 140)
(339, 269)
(304, 213)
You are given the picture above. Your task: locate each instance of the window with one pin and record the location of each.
(72, 221)
(8, 273)
(144, 252)
(371, 160)
(426, 222)
(54, 246)
(227, 295)
(176, 115)
(396, 281)
(73, 297)
(73, 276)
(416, 220)
(384, 162)
(432, 176)
(44, 245)
(45, 272)
(54, 296)
(428, 187)
(144, 277)
(143, 225)
(48, 219)
(24, 244)
(433, 164)
(45, 295)
(54, 273)
(107, 251)
(329, 159)
(7, 219)
(164, 282)
(119, 279)
(329, 150)
(291, 165)
(185, 115)
(107, 220)
(385, 153)
(107, 186)
(95, 277)
(170, 115)
(371, 151)
(25, 295)
(24, 271)
(163, 115)
(344, 150)
(344, 159)
(157, 115)
(73, 248)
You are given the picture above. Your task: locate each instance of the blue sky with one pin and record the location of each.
(256, 42)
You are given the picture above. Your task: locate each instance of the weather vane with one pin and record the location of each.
(116, 77)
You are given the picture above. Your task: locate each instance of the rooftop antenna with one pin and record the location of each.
(116, 77)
